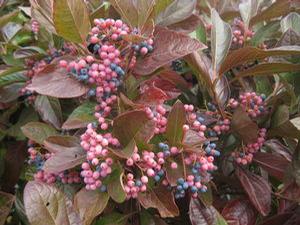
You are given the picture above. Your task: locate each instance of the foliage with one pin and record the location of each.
(149, 112)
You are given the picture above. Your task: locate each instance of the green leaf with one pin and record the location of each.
(113, 218)
(221, 36)
(161, 6)
(45, 204)
(175, 12)
(8, 17)
(248, 9)
(281, 125)
(291, 21)
(71, 20)
(90, 204)
(265, 32)
(6, 203)
(49, 109)
(28, 51)
(27, 115)
(81, 116)
(176, 120)
(115, 187)
(249, 54)
(38, 131)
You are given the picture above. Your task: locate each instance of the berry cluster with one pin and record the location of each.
(35, 26)
(240, 33)
(251, 103)
(133, 186)
(157, 114)
(245, 155)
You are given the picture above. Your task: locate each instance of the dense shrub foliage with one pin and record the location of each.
(149, 112)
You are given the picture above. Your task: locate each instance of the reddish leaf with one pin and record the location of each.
(192, 141)
(275, 165)
(186, 26)
(160, 198)
(276, 146)
(54, 81)
(57, 143)
(278, 219)
(6, 202)
(151, 95)
(244, 126)
(176, 120)
(90, 204)
(141, 131)
(239, 212)
(168, 46)
(248, 54)
(257, 189)
(290, 192)
(202, 215)
(177, 80)
(174, 174)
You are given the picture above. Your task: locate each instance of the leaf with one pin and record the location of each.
(38, 131)
(113, 218)
(291, 21)
(239, 211)
(269, 69)
(12, 75)
(174, 174)
(126, 131)
(192, 141)
(115, 187)
(58, 143)
(277, 147)
(264, 32)
(279, 219)
(71, 20)
(81, 116)
(6, 203)
(54, 81)
(277, 9)
(275, 165)
(45, 204)
(244, 126)
(10, 30)
(248, 9)
(280, 124)
(221, 36)
(90, 204)
(165, 51)
(257, 189)
(135, 13)
(177, 11)
(161, 6)
(188, 25)
(49, 109)
(160, 198)
(10, 92)
(28, 51)
(42, 12)
(202, 215)
(64, 159)
(176, 120)
(290, 37)
(248, 54)
(294, 169)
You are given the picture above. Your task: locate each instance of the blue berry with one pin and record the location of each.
(194, 189)
(180, 181)
(103, 188)
(161, 173)
(179, 188)
(156, 178)
(185, 185)
(113, 66)
(200, 119)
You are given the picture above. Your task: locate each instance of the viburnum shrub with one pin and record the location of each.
(149, 112)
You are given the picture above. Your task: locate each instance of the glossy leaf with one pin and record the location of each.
(257, 189)
(80, 117)
(38, 131)
(166, 51)
(54, 81)
(220, 41)
(115, 187)
(244, 126)
(90, 204)
(275, 165)
(291, 21)
(45, 204)
(248, 54)
(71, 19)
(239, 212)
(176, 120)
(204, 215)
(188, 25)
(49, 109)
(248, 9)
(177, 11)
(161, 199)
